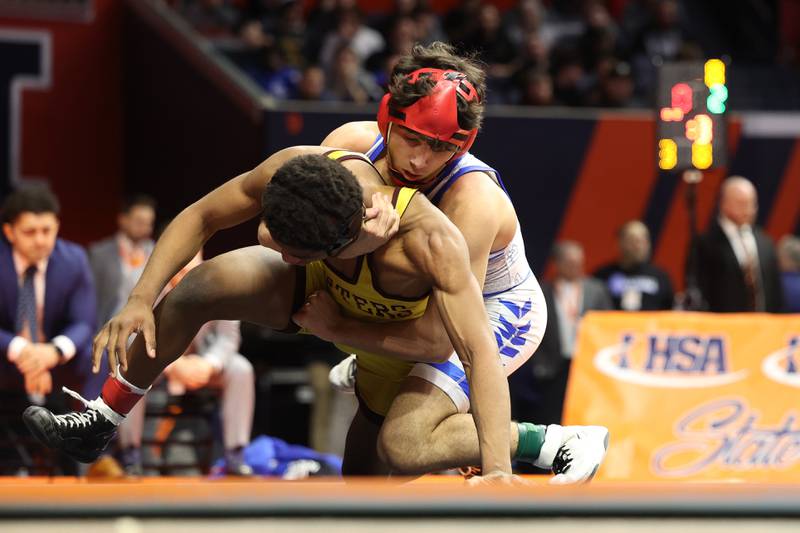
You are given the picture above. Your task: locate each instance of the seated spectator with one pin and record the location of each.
(47, 302)
(564, 22)
(348, 81)
(660, 40)
(599, 37)
(428, 25)
(535, 52)
(536, 88)
(570, 80)
(402, 36)
(311, 86)
(212, 360)
(290, 35)
(533, 58)
(280, 78)
(320, 22)
(789, 264)
(385, 22)
(491, 43)
(615, 85)
(522, 20)
(118, 262)
(362, 40)
(636, 284)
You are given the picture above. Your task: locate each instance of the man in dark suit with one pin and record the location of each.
(47, 304)
(538, 389)
(737, 263)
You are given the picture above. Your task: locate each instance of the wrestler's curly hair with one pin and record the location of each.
(441, 56)
(310, 201)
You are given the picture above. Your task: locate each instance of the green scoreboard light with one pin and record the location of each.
(692, 123)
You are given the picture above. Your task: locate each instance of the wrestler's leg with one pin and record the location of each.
(424, 432)
(250, 284)
(361, 451)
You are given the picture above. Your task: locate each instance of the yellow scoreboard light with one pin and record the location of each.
(667, 154)
(702, 155)
(691, 121)
(714, 72)
(714, 78)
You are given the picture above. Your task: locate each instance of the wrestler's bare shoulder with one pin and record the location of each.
(356, 136)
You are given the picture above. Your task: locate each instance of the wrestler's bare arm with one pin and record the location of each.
(439, 251)
(231, 203)
(474, 206)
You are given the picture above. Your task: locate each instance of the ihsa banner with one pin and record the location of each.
(691, 396)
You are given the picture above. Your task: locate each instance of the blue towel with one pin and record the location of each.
(270, 456)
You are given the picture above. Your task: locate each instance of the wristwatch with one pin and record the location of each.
(60, 353)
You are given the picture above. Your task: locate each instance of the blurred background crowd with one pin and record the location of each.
(537, 52)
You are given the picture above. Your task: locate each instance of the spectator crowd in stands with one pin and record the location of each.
(598, 53)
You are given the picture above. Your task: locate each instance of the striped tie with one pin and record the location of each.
(752, 283)
(26, 306)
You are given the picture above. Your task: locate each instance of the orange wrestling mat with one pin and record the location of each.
(430, 496)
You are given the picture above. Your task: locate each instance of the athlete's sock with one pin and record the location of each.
(531, 440)
(119, 396)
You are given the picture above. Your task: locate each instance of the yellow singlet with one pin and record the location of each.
(378, 377)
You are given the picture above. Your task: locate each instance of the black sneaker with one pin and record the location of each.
(81, 436)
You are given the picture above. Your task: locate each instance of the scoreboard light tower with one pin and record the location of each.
(692, 136)
(692, 123)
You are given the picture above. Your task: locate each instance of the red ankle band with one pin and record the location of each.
(119, 397)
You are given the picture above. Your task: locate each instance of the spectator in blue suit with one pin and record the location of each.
(47, 300)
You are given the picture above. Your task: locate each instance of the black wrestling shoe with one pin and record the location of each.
(81, 436)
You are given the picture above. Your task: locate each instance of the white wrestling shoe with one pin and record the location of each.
(343, 375)
(574, 453)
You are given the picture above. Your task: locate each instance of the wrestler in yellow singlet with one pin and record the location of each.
(378, 377)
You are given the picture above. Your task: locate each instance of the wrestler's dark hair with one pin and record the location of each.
(441, 56)
(31, 198)
(310, 202)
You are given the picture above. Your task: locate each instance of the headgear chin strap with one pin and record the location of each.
(436, 114)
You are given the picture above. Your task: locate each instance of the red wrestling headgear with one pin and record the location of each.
(434, 115)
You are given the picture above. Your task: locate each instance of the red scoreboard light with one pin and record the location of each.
(692, 125)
